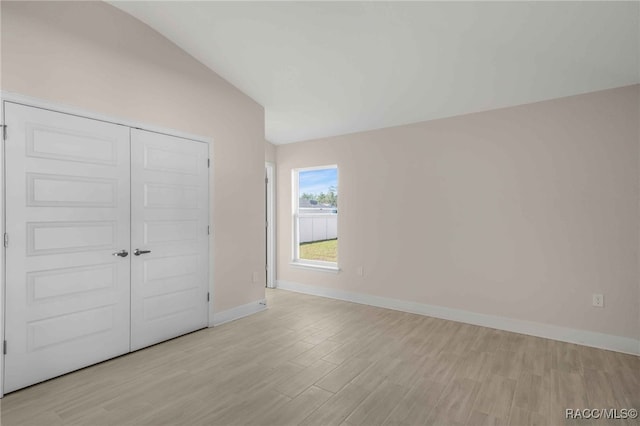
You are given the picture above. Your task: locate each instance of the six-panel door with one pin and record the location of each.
(70, 182)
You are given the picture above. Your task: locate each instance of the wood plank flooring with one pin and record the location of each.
(315, 361)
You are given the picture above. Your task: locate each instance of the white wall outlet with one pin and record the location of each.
(360, 270)
(256, 277)
(598, 300)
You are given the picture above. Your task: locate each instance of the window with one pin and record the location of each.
(315, 217)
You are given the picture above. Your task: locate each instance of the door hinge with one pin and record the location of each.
(266, 267)
(6, 240)
(208, 296)
(4, 132)
(208, 162)
(266, 224)
(208, 230)
(4, 347)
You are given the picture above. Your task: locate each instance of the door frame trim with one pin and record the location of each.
(6, 96)
(270, 171)
(3, 272)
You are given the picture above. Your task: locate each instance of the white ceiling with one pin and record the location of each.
(328, 68)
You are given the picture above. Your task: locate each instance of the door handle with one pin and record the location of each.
(138, 252)
(121, 253)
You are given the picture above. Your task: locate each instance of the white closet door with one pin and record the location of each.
(67, 212)
(169, 219)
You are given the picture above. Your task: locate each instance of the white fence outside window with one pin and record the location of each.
(318, 227)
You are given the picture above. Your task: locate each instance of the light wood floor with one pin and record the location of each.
(312, 361)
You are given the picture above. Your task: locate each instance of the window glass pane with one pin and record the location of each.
(318, 214)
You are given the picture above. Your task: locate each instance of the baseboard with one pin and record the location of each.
(581, 337)
(238, 312)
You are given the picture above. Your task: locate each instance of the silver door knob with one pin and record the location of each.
(138, 252)
(121, 253)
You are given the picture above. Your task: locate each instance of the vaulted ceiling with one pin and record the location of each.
(328, 68)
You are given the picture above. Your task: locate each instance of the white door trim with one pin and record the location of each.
(6, 96)
(3, 270)
(211, 233)
(271, 224)
(81, 112)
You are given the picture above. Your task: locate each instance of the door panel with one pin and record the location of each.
(69, 237)
(169, 216)
(67, 211)
(57, 142)
(176, 197)
(47, 190)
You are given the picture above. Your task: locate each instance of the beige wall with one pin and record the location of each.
(93, 56)
(522, 212)
(269, 152)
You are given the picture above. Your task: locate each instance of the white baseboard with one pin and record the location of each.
(581, 337)
(238, 312)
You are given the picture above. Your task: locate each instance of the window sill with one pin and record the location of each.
(313, 267)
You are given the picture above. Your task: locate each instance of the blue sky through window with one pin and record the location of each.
(317, 181)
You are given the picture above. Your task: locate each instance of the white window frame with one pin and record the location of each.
(317, 265)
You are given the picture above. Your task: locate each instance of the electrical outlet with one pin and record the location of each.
(598, 300)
